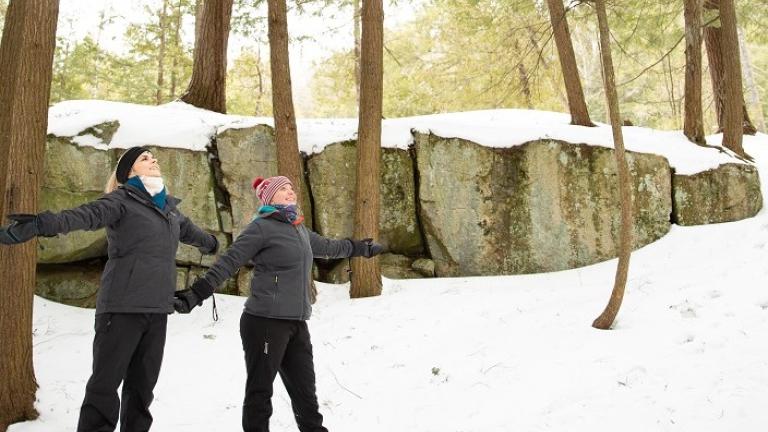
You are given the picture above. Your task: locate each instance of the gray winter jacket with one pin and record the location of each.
(282, 256)
(140, 274)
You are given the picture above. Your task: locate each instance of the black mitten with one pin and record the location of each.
(185, 300)
(365, 248)
(22, 229)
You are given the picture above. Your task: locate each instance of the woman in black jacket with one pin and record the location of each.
(273, 326)
(135, 296)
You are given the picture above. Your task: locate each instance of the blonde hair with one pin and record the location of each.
(112, 183)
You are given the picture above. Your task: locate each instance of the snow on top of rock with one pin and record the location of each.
(180, 125)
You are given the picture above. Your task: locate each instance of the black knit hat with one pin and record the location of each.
(126, 161)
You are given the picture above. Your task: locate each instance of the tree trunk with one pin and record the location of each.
(356, 23)
(162, 24)
(207, 87)
(26, 68)
(754, 91)
(282, 97)
(734, 109)
(257, 110)
(177, 51)
(525, 82)
(576, 103)
(605, 320)
(366, 273)
(713, 35)
(693, 121)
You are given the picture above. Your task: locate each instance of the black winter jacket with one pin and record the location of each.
(140, 274)
(282, 256)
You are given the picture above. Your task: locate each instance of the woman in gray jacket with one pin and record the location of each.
(135, 296)
(273, 325)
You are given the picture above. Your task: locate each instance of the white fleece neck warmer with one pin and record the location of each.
(154, 185)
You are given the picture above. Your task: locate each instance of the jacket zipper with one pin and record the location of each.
(154, 207)
(304, 294)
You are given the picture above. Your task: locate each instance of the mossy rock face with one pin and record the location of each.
(393, 266)
(72, 176)
(727, 193)
(187, 175)
(332, 175)
(72, 284)
(245, 154)
(538, 207)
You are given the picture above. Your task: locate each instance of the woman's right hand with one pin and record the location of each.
(22, 229)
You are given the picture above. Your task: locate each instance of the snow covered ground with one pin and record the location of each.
(689, 351)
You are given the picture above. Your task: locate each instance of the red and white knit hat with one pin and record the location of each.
(266, 188)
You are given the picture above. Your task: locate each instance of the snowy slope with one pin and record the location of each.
(490, 354)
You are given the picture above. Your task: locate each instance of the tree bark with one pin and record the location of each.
(26, 68)
(366, 273)
(576, 102)
(734, 109)
(207, 87)
(752, 88)
(693, 119)
(713, 35)
(606, 319)
(162, 24)
(286, 137)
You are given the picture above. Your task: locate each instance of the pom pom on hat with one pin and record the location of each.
(257, 181)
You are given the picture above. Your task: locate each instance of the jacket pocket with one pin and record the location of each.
(115, 279)
(151, 283)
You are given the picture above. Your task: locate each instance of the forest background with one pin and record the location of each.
(440, 56)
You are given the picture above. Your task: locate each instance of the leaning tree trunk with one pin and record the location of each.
(282, 98)
(716, 57)
(366, 273)
(754, 91)
(207, 87)
(576, 103)
(26, 69)
(693, 121)
(734, 108)
(605, 320)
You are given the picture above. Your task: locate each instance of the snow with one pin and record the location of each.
(180, 125)
(483, 354)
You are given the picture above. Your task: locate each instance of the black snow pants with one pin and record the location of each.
(127, 348)
(275, 346)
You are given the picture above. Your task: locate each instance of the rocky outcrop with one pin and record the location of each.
(332, 175)
(73, 175)
(542, 206)
(727, 193)
(72, 284)
(393, 266)
(449, 207)
(245, 154)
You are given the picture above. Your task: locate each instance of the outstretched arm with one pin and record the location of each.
(90, 217)
(248, 244)
(323, 247)
(193, 235)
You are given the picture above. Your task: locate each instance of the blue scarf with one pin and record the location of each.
(158, 199)
(289, 211)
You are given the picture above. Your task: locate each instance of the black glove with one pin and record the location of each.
(22, 229)
(365, 248)
(186, 300)
(212, 250)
